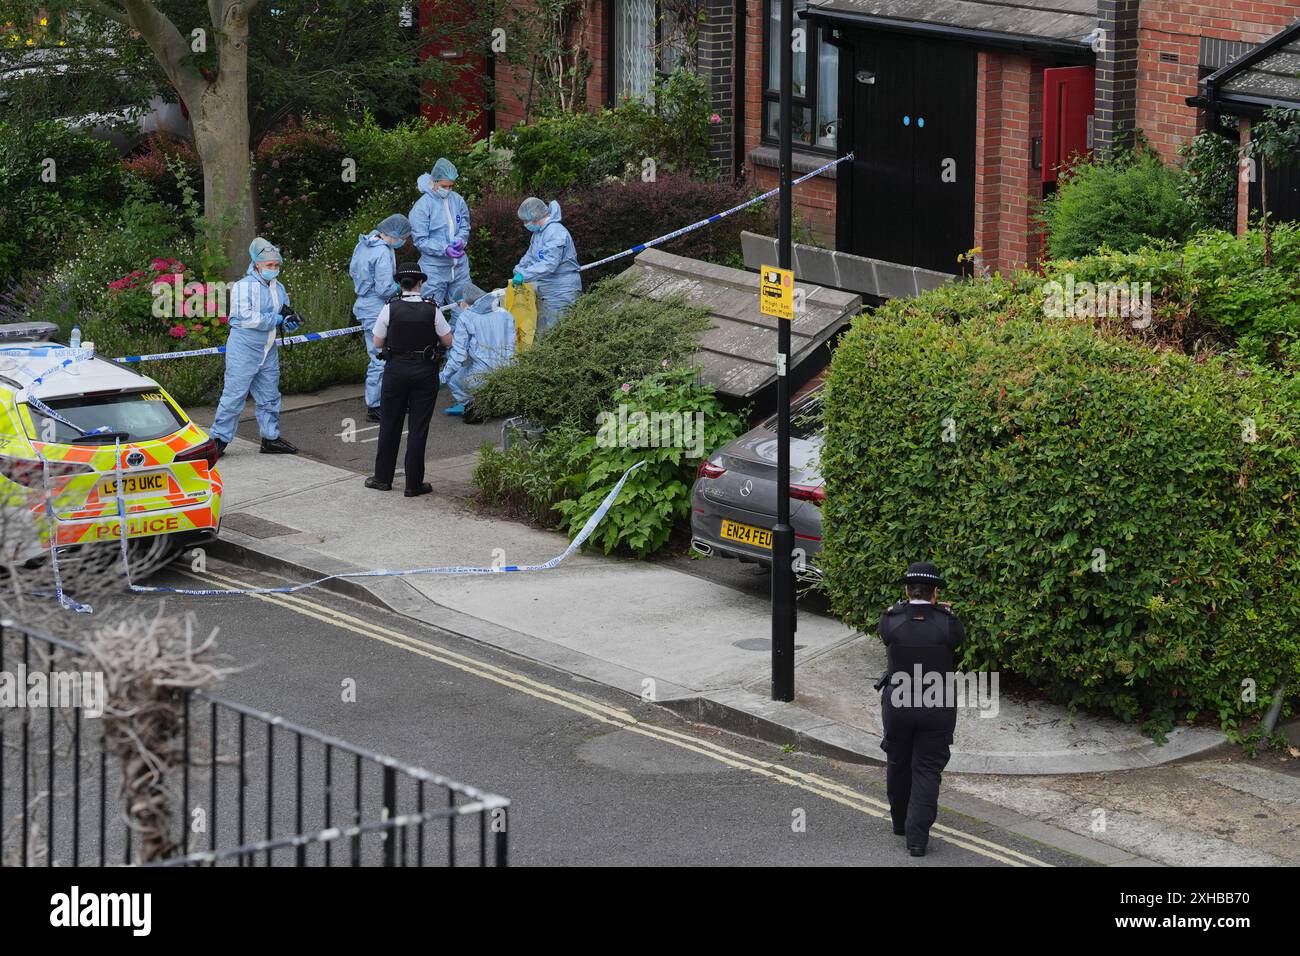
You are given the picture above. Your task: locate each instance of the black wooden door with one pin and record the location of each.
(912, 199)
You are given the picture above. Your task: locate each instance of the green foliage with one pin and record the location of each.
(674, 129)
(1209, 188)
(561, 150)
(530, 478)
(1214, 292)
(1122, 204)
(660, 409)
(1075, 451)
(54, 184)
(608, 337)
(397, 156)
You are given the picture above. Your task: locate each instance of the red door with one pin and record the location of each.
(446, 22)
(1068, 103)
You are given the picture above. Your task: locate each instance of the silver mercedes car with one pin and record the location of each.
(733, 501)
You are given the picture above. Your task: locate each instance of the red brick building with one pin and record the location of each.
(960, 113)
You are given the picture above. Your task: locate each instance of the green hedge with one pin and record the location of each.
(606, 338)
(1212, 291)
(1122, 204)
(1071, 448)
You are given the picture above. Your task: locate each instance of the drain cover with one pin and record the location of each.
(255, 527)
(759, 644)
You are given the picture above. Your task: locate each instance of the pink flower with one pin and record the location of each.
(663, 364)
(627, 387)
(159, 265)
(715, 118)
(223, 320)
(178, 331)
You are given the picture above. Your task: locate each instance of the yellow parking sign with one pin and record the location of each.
(776, 292)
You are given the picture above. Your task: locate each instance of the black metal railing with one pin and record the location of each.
(248, 789)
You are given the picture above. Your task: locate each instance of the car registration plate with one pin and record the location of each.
(151, 483)
(747, 534)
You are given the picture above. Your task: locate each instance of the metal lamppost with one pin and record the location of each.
(783, 613)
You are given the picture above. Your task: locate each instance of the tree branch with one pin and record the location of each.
(114, 13)
(168, 46)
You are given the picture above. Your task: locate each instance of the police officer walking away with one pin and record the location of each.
(412, 334)
(921, 637)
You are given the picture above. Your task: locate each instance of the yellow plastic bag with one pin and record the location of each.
(521, 302)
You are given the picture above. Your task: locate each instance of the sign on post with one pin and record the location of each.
(776, 292)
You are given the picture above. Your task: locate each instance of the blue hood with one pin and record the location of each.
(426, 184)
(555, 211)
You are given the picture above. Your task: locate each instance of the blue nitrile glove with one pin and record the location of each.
(517, 279)
(453, 252)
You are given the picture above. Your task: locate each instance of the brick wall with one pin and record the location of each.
(1116, 65)
(512, 82)
(1007, 108)
(1174, 28)
(716, 53)
(814, 200)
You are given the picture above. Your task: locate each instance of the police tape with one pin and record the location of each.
(590, 526)
(221, 349)
(677, 233)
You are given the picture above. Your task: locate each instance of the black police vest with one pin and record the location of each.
(411, 326)
(921, 634)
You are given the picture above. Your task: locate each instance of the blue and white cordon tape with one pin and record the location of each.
(597, 516)
(676, 233)
(221, 349)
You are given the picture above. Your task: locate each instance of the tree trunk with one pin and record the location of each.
(221, 136)
(218, 107)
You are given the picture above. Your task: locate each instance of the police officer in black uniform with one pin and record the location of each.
(412, 336)
(917, 631)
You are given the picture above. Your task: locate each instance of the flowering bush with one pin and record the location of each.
(191, 309)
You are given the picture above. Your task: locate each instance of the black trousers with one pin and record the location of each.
(408, 391)
(918, 743)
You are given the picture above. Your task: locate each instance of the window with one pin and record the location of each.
(814, 84)
(651, 40)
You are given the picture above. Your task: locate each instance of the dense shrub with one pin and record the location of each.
(300, 184)
(388, 158)
(613, 217)
(607, 338)
(1209, 188)
(529, 479)
(1122, 204)
(55, 184)
(162, 164)
(561, 151)
(1213, 292)
(1025, 456)
(657, 496)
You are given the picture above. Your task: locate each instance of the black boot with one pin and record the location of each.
(221, 447)
(372, 413)
(916, 850)
(424, 489)
(278, 446)
(378, 485)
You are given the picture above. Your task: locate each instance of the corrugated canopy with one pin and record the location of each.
(1269, 75)
(1059, 20)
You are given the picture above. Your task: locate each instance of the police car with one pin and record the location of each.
(61, 429)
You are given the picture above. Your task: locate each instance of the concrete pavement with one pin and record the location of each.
(681, 639)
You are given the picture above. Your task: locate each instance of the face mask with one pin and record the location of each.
(532, 227)
(442, 191)
(269, 273)
(396, 243)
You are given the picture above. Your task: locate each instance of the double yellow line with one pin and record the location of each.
(620, 718)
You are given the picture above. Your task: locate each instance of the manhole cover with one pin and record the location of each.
(759, 644)
(255, 527)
